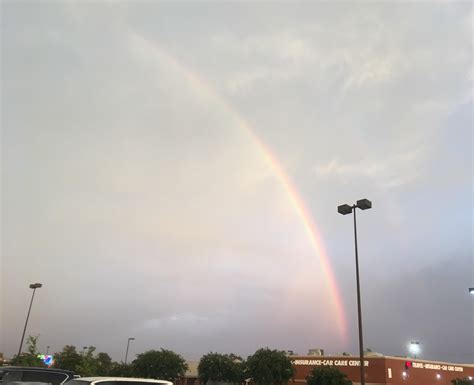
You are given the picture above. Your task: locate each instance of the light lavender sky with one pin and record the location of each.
(130, 190)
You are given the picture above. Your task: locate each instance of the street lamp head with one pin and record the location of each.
(414, 347)
(364, 204)
(344, 209)
(35, 285)
(131, 338)
(471, 290)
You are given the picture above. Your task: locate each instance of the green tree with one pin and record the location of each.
(237, 370)
(327, 376)
(68, 359)
(220, 368)
(163, 364)
(88, 365)
(31, 357)
(85, 363)
(121, 370)
(270, 367)
(103, 364)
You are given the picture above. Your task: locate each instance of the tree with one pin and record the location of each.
(68, 359)
(237, 370)
(462, 381)
(270, 367)
(327, 376)
(121, 370)
(31, 357)
(220, 368)
(103, 364)
(163, 364)
(88, 365)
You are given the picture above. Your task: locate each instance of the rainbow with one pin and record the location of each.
(270, 158)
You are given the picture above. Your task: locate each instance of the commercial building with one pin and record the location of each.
(380, 369)
(384, 370)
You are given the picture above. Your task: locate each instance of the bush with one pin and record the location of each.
(327, 376)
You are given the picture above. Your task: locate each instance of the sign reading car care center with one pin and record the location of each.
(329, 362)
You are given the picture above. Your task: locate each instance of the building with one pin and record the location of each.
(384, 370)
(380, 370)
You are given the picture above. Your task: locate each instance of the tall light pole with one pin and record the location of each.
(128, 344)
(33, 286)
(362, 204)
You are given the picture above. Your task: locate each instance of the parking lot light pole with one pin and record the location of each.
(128, 344)
(33, 286)
(362, 204)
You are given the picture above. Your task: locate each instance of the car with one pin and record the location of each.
(117, 381)
(12, 375)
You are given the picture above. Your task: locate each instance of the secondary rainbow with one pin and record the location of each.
(270, 158)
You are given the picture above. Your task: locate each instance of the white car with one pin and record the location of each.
(117, 381)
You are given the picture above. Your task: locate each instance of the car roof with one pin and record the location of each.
(34, 368)
(94, 379)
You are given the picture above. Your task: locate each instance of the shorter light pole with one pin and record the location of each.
(128, 344)
(47, 349)
(33, 286)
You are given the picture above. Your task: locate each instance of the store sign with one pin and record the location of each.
(446, 368)
(328, 363)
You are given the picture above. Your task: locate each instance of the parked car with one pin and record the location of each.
(117, 381)
(14, 374)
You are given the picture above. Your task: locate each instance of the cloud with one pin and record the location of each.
(382, 54)
(182, 321)
(393, 172)
(281, 57)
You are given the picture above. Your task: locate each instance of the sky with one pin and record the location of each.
(171, 171)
